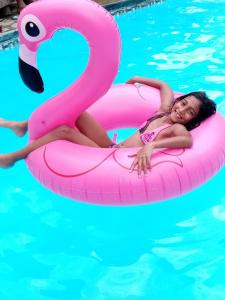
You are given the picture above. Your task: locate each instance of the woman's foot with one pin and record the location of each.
(6, 161)
(19, 128)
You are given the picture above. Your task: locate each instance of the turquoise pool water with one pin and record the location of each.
(55, 248)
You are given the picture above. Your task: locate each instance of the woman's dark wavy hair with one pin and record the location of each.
(207, 109)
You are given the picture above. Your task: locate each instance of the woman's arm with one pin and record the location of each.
(172, 142)
(182, 139)
(166, 93)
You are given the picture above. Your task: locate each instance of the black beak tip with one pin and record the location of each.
(31, 77)
(39, 91)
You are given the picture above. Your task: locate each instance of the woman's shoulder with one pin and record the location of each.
(179, 129)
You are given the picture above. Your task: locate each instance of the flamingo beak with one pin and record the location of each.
(31, 77)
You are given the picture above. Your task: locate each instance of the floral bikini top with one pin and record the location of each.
(149, 136)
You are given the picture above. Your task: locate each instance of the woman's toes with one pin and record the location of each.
(6, 161)
(2, 121)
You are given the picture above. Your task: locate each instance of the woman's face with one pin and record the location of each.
(185, 110)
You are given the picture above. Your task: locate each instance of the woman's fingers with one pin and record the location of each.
(145, 168)
(142, 163)
(132, 155)
(133, 164)
(139, 166)
(130, 81)
(148, 163)
(145, 165)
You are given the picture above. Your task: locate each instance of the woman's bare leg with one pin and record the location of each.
(93, 130)
(60, 133)
(19, 128)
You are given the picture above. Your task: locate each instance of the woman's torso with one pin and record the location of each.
(135, 139)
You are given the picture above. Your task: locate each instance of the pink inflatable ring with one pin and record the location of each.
(100, 175)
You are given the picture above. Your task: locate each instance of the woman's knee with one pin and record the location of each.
(82, 118)
(62, 131)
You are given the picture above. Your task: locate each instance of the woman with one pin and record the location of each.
(169, 128)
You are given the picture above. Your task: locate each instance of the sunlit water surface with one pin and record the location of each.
(55, 248)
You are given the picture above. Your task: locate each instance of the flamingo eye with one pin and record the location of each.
(32, 28)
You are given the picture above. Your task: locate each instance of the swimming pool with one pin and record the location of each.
(54, 248)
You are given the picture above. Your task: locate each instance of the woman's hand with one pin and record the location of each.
(131, 80)
(142, 159)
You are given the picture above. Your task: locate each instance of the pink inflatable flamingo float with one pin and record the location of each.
(100, 175)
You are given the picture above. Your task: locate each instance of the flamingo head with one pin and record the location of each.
(39, 20)
(36, 24)
(33, 28)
